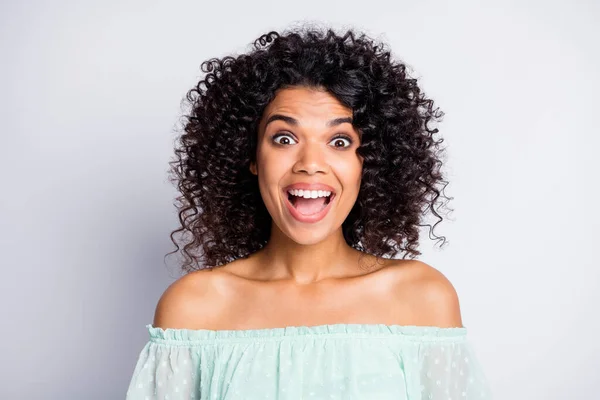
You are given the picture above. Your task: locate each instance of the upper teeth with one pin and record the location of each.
(309, 194)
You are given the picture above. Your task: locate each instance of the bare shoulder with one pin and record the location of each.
(430, 296)
(192, 301)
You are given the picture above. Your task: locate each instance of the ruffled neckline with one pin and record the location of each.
(402, 332)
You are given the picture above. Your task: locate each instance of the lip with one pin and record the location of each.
(308, 186)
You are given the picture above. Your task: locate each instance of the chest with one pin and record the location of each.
(282, 305)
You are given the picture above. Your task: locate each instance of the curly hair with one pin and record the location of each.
(220, 207)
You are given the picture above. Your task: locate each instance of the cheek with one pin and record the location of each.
(271, 163)
(349, 173)
(272, 168)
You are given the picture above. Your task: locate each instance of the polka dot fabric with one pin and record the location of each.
(341, 361)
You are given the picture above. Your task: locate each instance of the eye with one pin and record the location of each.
(286, 139)
(341, 139)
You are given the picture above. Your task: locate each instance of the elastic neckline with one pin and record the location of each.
(405, 332)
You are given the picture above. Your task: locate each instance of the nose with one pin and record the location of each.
(311, 159)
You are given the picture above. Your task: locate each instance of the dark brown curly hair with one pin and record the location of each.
(220, 207)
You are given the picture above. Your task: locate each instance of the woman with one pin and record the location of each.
(306, 165)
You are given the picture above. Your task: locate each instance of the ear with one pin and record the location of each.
(253, 168)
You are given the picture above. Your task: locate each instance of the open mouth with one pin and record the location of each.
(311, 205)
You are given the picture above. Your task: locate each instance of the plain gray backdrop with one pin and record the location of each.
(90, 98)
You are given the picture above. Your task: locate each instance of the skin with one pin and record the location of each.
(307, 274)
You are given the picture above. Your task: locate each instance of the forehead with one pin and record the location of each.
(307, 102)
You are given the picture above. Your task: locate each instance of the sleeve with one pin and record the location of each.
(165, 371)
(450, 371)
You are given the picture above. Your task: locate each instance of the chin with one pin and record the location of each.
(307, 236)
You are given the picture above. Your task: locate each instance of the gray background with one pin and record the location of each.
(89, 107)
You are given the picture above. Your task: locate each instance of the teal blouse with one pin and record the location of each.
(339, 361)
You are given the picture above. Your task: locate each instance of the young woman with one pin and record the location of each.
(305, 166)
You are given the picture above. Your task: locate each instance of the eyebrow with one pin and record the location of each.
(294, 121)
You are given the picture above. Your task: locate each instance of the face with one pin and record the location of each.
(307, 148)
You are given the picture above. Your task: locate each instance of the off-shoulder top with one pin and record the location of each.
(338, 361)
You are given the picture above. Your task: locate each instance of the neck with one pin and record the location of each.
(283, 258)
